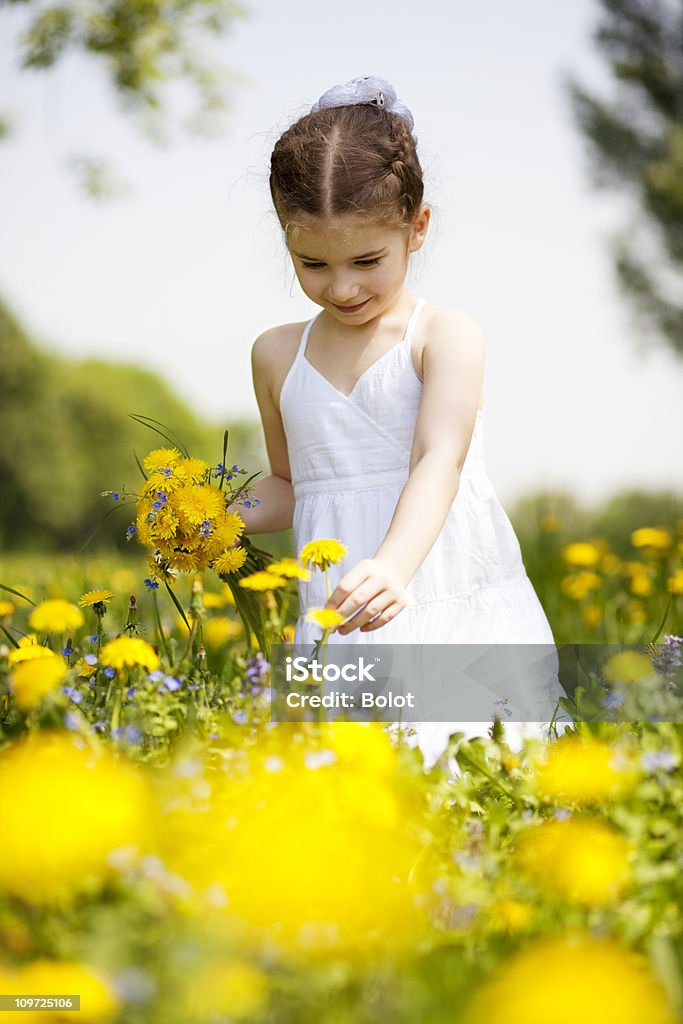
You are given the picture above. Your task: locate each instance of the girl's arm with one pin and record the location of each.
(276, 508)
(453, 368)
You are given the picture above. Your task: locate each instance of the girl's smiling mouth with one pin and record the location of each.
(350, 309)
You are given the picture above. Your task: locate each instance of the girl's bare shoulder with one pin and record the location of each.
(272, 355)
(442, 324)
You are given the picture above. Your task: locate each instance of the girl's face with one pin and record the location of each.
(353, 268)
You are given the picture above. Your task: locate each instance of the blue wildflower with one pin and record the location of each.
(67, 652)
(205, 528)
(614, 701)
(240, 717)
(90, 659)
(162, 496)
(71, 721)
(151, 584)
(130, 692)
(115, 495)
(656, 759)
(157, 505)
(93, 639)
(170, 683)
(110, 673)
(132, 734)
(131, 531)
(219, 469)
(75, 696)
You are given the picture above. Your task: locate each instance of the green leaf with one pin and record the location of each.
(11, 590)
(167, 434)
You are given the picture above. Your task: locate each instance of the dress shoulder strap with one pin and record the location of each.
(304, 335)
(411, 322)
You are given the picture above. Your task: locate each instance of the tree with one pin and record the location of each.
(635, 146)
(142, 45)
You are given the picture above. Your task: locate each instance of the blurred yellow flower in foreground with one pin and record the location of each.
(579, 860)
(322, 553)
(31, 680)
(56, 616)
(509, 915)
(583, 771)
(99, 1001)
(128, 651)
(311, 845)
(225, 989)
(581, 553)
(69, 809)
(6, 608)
(572, 978)
(28, 649)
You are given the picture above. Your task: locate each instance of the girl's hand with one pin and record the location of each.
(371, 590)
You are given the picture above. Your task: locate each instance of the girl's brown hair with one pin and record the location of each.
(358, 159)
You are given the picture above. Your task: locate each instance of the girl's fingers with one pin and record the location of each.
(390, 612)
(361, 596)
(372, 608)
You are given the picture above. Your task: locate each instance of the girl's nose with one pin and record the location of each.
(343, 292)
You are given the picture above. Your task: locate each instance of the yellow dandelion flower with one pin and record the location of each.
(128, 651)
(592, 616)
(579, 860)
(641, 584)
(192, 470)
(165, 526)
(583, 771)
(95, 597)
(322, 553)
(225, 989)
(212, 600)
(220, 630)
(230, 561)
(183, 561)
(290, 568)
(56, 616)
(228, 528)
(263, 581)
(6, 609)
(84, 670)
(32, 680)
(581, 553)
(628, 667)
(571, 978)
(28, 649)
(326, 618)
(69, 810)
(99, 1001)
(652, 538)
(674, 584)
(195, 503)
(161, 458)
(578, 585)
(509, 915)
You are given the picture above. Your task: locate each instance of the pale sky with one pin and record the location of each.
(182, 275)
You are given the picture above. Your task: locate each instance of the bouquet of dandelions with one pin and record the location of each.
(185, 515)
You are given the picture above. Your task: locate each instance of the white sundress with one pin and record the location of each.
(349, 459)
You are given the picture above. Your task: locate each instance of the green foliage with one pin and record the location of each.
(635, 145)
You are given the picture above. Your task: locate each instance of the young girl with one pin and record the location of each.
(373, 410)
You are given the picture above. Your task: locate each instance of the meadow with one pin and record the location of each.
(171, 854)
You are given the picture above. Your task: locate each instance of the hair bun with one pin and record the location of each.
(366, 89)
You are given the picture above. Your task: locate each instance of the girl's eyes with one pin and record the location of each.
(359, 263)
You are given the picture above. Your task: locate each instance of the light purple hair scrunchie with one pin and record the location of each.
(366, 89)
